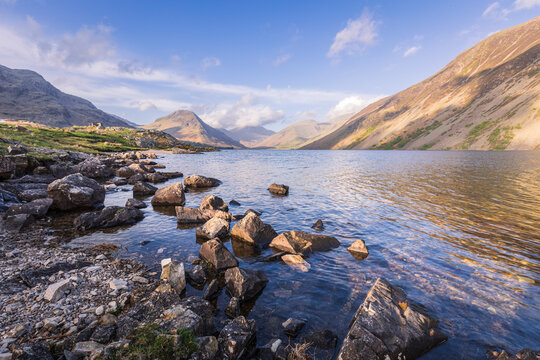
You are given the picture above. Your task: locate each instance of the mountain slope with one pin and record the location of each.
(486, 98)
(187, 126)
(26, 95)
(249, 135)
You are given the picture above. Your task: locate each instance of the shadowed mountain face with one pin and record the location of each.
(26, 95)
(486, 98)
(249, 135)
(187, 126)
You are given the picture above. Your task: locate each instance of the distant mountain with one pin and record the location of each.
(249, 135)
(26, 95)
(486, 98)
(187, 126)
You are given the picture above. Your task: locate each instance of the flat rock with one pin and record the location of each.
(38, 208)
(299, 242)
(55, 291)
(171, 195)
(296, 262)
(108, 217)
(187, 215)
(198, 181)
(279, 189)
(252, 230)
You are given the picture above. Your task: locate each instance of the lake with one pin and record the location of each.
(458, 231)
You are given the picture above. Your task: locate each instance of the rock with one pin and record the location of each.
(324, 339)
(274, 350)
(100, 310)
(125, 172)
(136, 178)
(245, 284)
(140, 279)
(208, 348)
(218, 255)
(33, 194)
(198, 181)
(237, 338)
(41, 170)
(253, 231)
(196, 275)
(135, 203)
(234, 203)
(155, 177)
(118, 284)
(233, 308)
(292, 327)
(142, 188)
(94, 168)
(525, 354)
(387, 324)
(16, 223)
(187, 215)
(16, 150)
(296, 262)
(318, 226)
(251, 211)
(60, 171)
(36, 351)
(108, 217)
(214, 228)
(212, 291)
(194, 314)
(108, 320)
(90, 349)
(359, 250)
(212, 202)
(279, 189)
(7, 167)
(75, 192)
(38, 208)
(104, 334)
(172, 195)
(56, 291)
(173, 272)
(299, 242)
(5, 356)
(141, 168)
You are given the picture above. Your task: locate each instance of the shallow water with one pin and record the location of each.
(458, 231)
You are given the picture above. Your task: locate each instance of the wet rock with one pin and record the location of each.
(292, 327)
(208, 348)
(198, 181)
(299, 242)
(245, 284)
(318, 226)
(56, 291)
(193, 313)
(155, 177)
(233, 308)
(136, 178)
(279, 189)
(187, 215)
(359, 250)
(252, 230)
(38, 208)
(324, 339)
(237, 338)
(234, 203)
(108, 217)
(196, 275)
(136, 203)
(212, 291)
(142, 188)
(214, 228)
(75, 192)
(296, 262)
(212, 202)
(17, 223)
(103, 334)
(172, 195)
(125, 172)
(95, 169)
(218, 255)
(387, 324)
(251, 211)
(141, 168)
(33, 194)
(525, 354)
(173, 272)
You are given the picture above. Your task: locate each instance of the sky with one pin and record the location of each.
(240, 63)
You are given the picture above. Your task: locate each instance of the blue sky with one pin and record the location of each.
(239, 63)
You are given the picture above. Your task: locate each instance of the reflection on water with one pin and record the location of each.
(458, 231)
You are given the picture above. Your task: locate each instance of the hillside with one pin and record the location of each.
(486, 98)
(187, 126)
(26, 95)
(249, 135)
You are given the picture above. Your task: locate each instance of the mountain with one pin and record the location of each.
(249, 135)
(486, 98)
(26, 95)
(187, 126)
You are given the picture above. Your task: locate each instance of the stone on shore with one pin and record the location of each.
(218, 255)
(193, 313)
(525, 354)
(291, 327)
(173, 272)
(299, 242)
(359, 250)
(38, 208)
(125, 172)
(171, 195)
(135, 203)
(56, 291)
(94, 168)
(237, 339)
(279, 189)
(245, 284)
(213, 202)
(16, 223)
(198, 181)
(252, 230)
(296, 262)
(75, 192)
(138, 168)
(142, 188)
(214, 228)
(187, 215)
(387, 324)
(108, 217)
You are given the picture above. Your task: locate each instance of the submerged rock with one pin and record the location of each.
(245, 284)
(388, 325)
(252, 230)
(171, 195)
(214, 228)
(198, 181)
(296, 262)
(218, 255)
(359, 250)
(318, 225)
(136, 203)
(108, 217)
(299, 242)
(291, 327)
(187, 215)
(75, 192)
(237, 339)
(212, 202)
(279, 189)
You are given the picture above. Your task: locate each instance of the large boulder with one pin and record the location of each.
(142, 188)
(214, 228)
(173, 272)
(108, 217)
(279, 189)
(252, 230)
(172, 195)
(193, 313)
(38, 208)
(75, 192)
(7, 167)
(245, 284)
(94, 168)
(7, 198)
(388, 325)
(125, 172)
(237, 339)
(187, 215)
(299, 242)
(212, 202)
(198, 181)
(218, 255)
(138, 168)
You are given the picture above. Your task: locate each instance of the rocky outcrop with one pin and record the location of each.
(75, 192)
(187, 215)
(252, 230)
(212, 202)
(214, 228)
(279, 189)
(108, 217)
(218, 255)
(198, 181)
(172, 195)
(245, 284)
(525, 354)
(299, 242)
(94, 168)
(237, 339)
(388, 325)
(142, 188)
(37, 208)
(193, 314)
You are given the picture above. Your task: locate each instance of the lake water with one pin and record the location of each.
(458, 231)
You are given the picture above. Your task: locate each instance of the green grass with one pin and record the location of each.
(404, 139)
(479, 129)
(500, 138)
(361, 138)
(427, 146)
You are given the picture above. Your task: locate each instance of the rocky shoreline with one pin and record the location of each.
(63, 303)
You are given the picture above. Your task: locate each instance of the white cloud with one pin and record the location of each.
(496, 11)
(306, 115)
(350, 105)
(492, 9)
(145, 105)
(282, 59)
(355, 36)
(209, 62)
(526, 4)
(412, 50)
